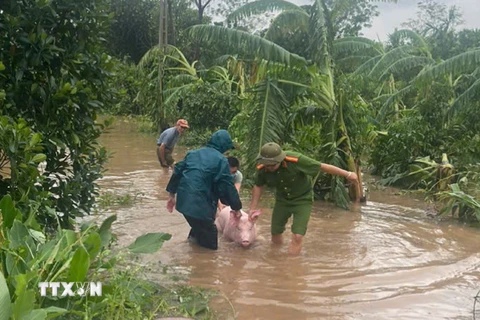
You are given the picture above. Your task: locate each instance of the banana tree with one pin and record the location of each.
(182, 77)
(466, 63)
(410, 55)
(385, 66)
(319, 25)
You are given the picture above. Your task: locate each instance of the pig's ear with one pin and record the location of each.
(233, 218)
(254, 215)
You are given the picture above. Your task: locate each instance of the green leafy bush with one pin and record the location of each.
(208, 106)
(55, 78)
(28, 256)
(127, 82)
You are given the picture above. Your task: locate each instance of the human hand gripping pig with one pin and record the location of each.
(241, 230)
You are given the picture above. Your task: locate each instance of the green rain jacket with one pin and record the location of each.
(203, 177)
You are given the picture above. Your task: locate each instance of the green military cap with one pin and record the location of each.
(271, 153)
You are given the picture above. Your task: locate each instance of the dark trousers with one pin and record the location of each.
(204, 232)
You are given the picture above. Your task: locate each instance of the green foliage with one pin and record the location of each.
(191, 302)
(308, 139)
(135, 28)
(399, 104)
(5, 308)
(145, 125)
(196, 137)
(55, 79)
(467, 39)
(437, 23)
(128, 83)
(240, 41)
(189, 93)
(349, 17)
(28, 257)
(411, 138)
(262, 120)
(20, 155)
(260, 7)
(460, 204)
(205, 100)
(289, 30)
(405, 141)
(149, 243)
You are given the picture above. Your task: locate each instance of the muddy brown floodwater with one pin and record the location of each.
(382, 260)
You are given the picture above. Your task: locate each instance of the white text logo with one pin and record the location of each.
(71, 289)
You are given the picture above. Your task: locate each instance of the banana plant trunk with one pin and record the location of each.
(445, 172)
(325, 62)
(353, 165)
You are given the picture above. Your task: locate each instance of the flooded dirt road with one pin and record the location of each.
(382, 260)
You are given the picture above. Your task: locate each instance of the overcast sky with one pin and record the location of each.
(393, 15)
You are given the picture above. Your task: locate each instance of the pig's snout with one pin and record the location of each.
(245, 243)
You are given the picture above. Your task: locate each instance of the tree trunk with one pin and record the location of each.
(355, 190)
(200, 19)
(162, 41)
(200, 14)
(171, 23)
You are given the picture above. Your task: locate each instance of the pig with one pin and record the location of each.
(240, 230)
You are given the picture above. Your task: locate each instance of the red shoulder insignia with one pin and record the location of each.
(260, 166)
(291, 159)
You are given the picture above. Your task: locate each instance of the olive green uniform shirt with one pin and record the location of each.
(293, 179)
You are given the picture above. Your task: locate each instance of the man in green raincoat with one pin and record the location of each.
(291, 174)
(201, 179)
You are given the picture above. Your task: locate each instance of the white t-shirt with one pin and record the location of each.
(238, 177)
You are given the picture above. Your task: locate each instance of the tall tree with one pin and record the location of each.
(437, 23)
(201, 6)
(184, 15)
(135, 29)
(467, 39)
(349, 17)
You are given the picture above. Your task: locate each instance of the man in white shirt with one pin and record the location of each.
(237, 177)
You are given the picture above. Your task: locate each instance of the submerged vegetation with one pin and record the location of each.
(406, 110)
(112, 198)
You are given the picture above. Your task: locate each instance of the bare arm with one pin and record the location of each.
(173, 183)
(350, 176)
(237, 186)
(328, 168)
(161, 153)
(171, 202)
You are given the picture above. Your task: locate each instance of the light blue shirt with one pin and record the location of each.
(237, 177)
(169, 137)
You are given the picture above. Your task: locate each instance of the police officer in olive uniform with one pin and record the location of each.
(292, 175)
